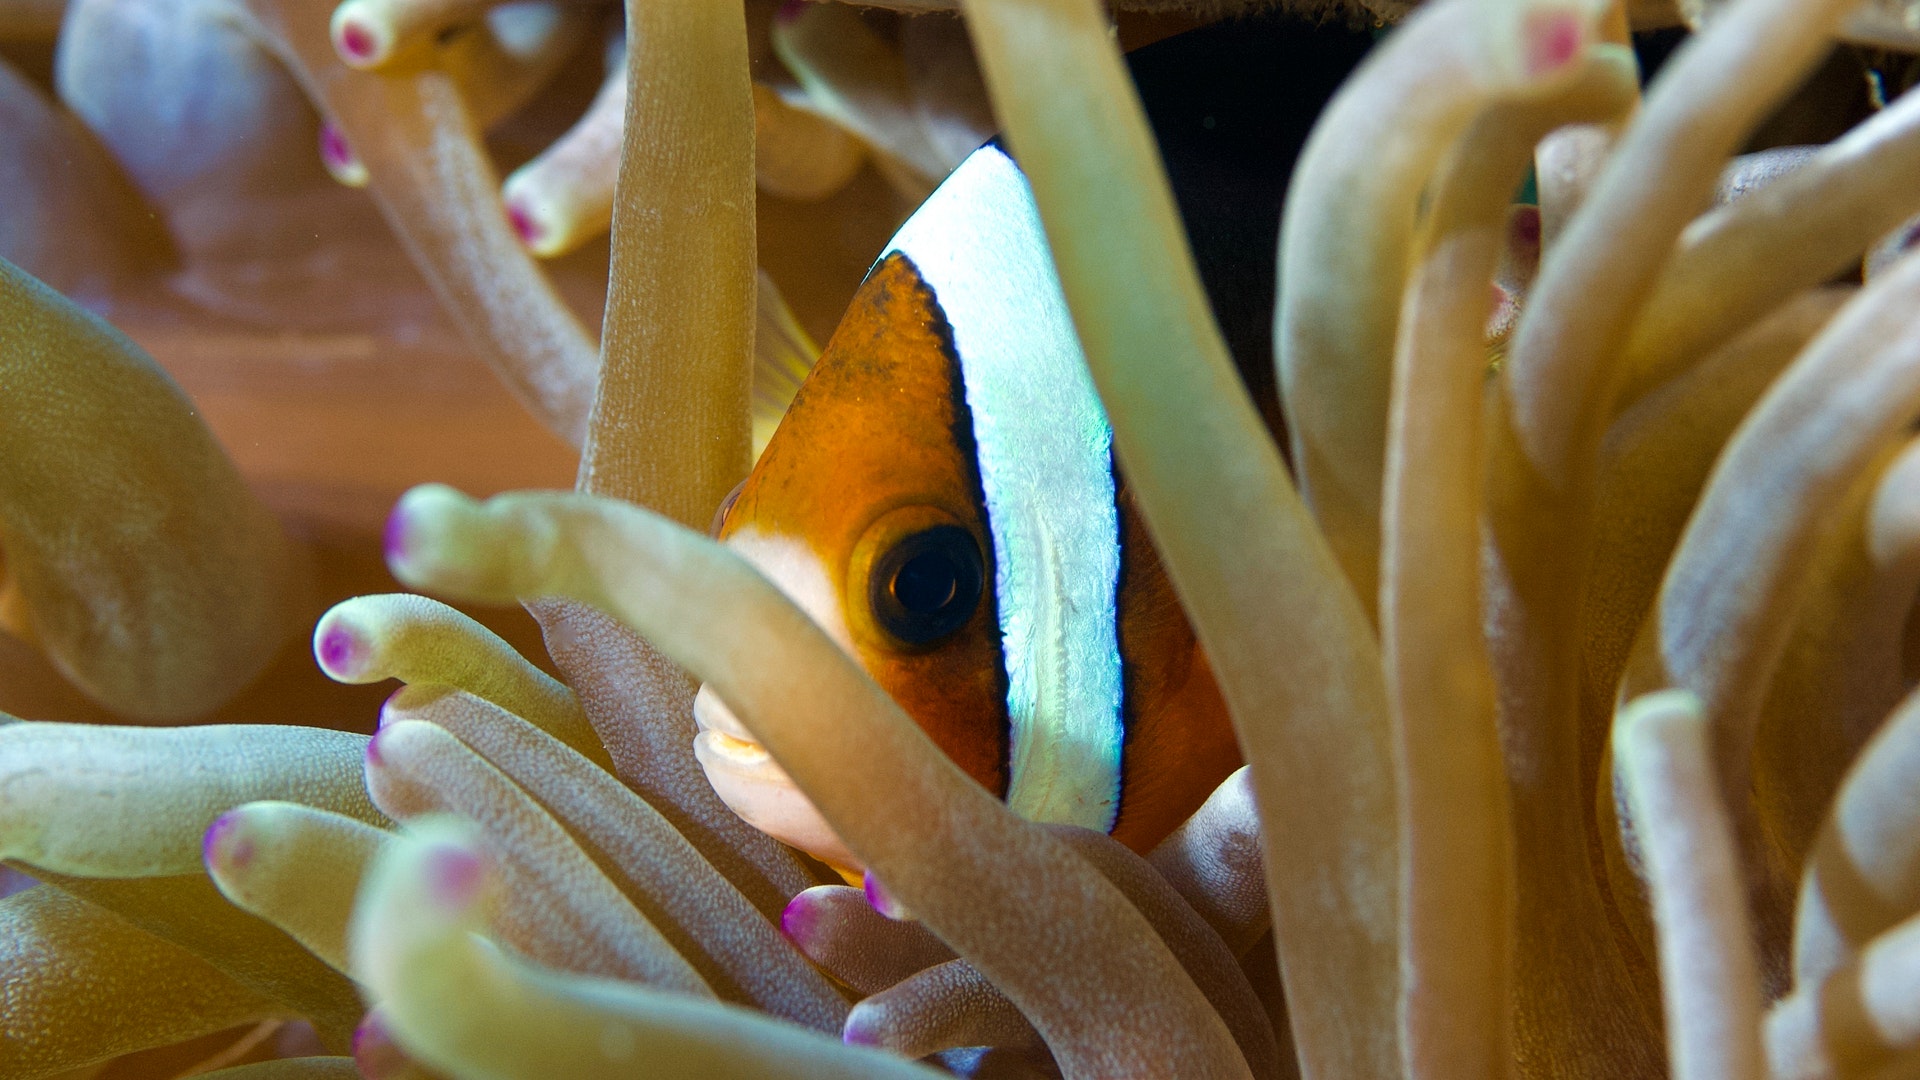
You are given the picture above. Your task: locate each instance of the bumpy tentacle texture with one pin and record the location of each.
(81, 985)
(115, 817)
(1782, 617)
(134, 554)
(780, 674)
(671, 428)
(470, 1009)
(1580, 987)
(563, 911)
(839, 930)
(705, 920)
(1724, 614)
(423, 642)
(1213, 861)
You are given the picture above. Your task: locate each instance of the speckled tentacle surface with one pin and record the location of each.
(671, 429)
(656, 576)
(471, 1009)
(82, 985)
(98, 441)
(736, 951)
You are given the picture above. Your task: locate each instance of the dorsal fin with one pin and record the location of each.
(783, 353)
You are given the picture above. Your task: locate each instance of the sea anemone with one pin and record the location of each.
(1570, 687)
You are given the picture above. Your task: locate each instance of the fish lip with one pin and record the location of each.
(756, 788)
(712, 714)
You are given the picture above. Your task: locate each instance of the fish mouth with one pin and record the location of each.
(755, 787)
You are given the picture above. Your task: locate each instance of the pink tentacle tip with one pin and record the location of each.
(859, 1031)
(356, 42)
(525, 225)
(1553, 39)
(394, 540)
(881, 900)
(222, 848)
(334, 149)
(374, 1051)
(798, 919)
(454, 876)
(340, 652)
(790, 11)
(373, 748)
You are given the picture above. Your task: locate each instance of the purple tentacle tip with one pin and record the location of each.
(394, 539)
(356, 42)
(859, 1031)
(373, 747)
(1553, 40)
(454, 875)
(333, 147)
(339, 650)
(221, 848)
(799, 918)
(880, 899)
(525, 225)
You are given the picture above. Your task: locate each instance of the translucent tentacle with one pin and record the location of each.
(136, 557)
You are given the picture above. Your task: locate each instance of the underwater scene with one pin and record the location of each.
(1328, 539)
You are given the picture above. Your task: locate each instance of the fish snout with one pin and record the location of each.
(755, 787)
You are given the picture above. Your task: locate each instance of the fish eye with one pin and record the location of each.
(927, 585)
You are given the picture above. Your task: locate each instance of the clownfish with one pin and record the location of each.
(941, 497)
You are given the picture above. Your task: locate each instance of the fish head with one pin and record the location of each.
(865, 510)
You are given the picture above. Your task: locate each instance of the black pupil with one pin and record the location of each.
(927, 585)
(927, 582)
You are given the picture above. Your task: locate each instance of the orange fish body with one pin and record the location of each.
(941, 498)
